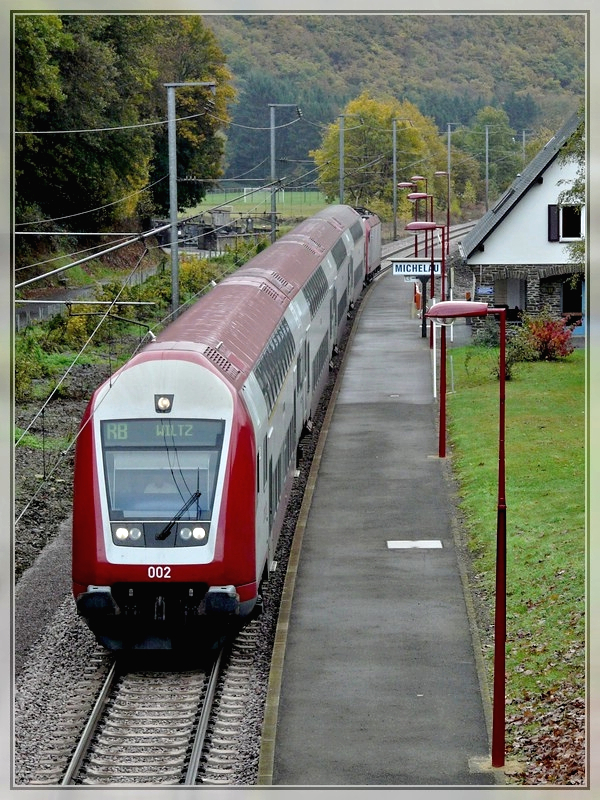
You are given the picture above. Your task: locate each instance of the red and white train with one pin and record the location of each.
(186, 455)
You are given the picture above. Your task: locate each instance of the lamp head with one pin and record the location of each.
(421, 226)
(448, 310)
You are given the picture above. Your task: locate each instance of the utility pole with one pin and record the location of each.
(172, 143)
(341, 154)
(394, 170)
(273, 106)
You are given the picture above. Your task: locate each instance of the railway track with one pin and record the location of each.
(142, 726)
(404, 248)
(177, 726)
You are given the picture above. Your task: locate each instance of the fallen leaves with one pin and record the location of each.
(547, 735)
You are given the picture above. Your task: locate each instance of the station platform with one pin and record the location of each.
(376, 678)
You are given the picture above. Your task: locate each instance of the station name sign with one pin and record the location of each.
(416, 268)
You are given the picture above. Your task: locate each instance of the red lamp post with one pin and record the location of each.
(431, 226)
(445, 312)
(415, 197)
(422, 179)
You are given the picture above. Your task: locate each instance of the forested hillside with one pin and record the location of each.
(449, 65)
(91, 148)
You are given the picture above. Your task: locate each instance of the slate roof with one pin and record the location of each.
(522, 183)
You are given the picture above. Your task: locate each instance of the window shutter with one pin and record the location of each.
(553, 234)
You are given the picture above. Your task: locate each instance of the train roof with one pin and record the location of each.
(232, 324)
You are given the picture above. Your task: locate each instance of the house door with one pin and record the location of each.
(573, 305)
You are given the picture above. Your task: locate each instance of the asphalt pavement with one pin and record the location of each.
(377, 677)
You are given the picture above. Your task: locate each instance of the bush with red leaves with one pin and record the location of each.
(550, 338)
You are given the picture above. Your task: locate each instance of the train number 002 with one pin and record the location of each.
(159, 572)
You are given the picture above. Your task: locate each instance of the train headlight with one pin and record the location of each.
(163, 403)
(132, 536)
(193, 535)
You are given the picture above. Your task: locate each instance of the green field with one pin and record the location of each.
(246, 200)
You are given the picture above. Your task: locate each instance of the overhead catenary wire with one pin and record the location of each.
(112, 128)
(107, 250)
(119, 245)
(57, 387)
(97, 247)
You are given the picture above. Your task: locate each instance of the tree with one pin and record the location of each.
(99, 157)
(491, 126)
(38, 41)
(521, 109)
(98, 79)
(368, 151)
(248, 144)
(189, 52)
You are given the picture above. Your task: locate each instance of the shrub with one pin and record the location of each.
(520, 347)
(548, 336)
(28, 363)
(195, 274)
(76, 331)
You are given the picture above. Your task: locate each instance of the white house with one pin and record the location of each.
(516, 253)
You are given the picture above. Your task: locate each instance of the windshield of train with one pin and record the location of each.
(159, 470)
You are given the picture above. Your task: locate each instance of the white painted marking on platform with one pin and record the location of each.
(407, 544)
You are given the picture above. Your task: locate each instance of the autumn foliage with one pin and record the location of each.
(549, 337)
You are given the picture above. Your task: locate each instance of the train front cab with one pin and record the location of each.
(163, 517)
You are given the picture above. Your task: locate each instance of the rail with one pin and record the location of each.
(146, 728)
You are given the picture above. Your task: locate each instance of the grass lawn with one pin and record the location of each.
(546, 547)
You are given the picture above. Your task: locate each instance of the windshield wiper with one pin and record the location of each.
(167, 529)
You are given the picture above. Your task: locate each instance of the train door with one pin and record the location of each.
(333, 315)
(300, 390)
(272, 509)
(271, 493)
(262, 504)
(350, 279)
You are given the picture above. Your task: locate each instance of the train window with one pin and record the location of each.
(339, 252)
(315, 290)
(357, 231)
(342, 305)
(161, 471)
(275, 362)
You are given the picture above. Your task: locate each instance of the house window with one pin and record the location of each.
(570, 222)
(565, 223)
